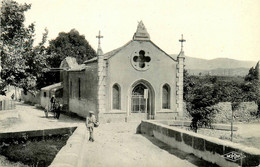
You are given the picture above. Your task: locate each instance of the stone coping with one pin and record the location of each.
(187, 124)
(241, 147)
(7, 136)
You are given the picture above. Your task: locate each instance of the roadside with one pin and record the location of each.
(26, 117)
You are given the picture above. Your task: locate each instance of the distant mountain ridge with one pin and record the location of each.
(218, 66)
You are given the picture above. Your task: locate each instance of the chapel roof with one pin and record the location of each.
(141, 34)
(108, 54)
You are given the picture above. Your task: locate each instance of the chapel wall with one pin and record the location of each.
(88, 91)
(162, 70)
(65, 84)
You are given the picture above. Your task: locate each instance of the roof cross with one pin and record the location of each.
(182, 40)
(99, 36)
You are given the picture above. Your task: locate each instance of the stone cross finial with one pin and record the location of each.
(141, 25)
(182, 40)
(99, 36)
(141, 32)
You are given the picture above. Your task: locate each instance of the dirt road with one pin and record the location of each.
(27, 117)
(117, 144)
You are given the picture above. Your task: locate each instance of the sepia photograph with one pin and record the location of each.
(129, 83)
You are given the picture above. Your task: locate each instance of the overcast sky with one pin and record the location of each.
(212, 28)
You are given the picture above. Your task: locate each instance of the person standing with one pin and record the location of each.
(57, 112)
(53, 105)
(90, 121)
(53, 100)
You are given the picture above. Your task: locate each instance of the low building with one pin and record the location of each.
(48, 91)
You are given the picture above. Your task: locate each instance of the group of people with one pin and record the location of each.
(55, 107)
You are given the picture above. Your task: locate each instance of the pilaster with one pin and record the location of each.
(179, 84)
(101, 82)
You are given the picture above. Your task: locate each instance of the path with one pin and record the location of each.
(27, 117)
(118, 145)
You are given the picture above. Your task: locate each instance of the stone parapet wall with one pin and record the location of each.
(208, 148)
(42, 133)
(69, 155)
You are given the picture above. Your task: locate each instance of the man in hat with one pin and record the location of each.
(90, 121)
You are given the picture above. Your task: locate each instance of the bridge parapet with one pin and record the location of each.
(208, 148)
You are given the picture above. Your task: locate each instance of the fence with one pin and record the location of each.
(6, 104)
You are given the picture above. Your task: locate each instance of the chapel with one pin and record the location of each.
(135, 81)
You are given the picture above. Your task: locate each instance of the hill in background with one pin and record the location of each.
(218, 66)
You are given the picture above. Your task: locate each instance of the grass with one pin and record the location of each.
(34, 152)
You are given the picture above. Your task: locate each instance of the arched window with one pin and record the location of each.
(116, 97)
(166, 95)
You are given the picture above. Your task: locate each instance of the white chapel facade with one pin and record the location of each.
(136, 81)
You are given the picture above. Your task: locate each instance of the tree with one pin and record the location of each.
(12, 19)
(251, 86)
(16, 39)
(188, 84)
(253, 74)
(200, 97)
(36, 61)
(69, 44)
(20, 60)
(202, 93)
(200, 105)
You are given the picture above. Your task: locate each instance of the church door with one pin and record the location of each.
(140, 101)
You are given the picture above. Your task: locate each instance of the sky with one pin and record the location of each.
(212, 28)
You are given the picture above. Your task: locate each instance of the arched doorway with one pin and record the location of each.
(142, 98)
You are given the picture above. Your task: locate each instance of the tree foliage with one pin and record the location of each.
(69, 44)
(21, 62)
(251, 86)
(201, 93)
(253, 74)
(200, 98)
